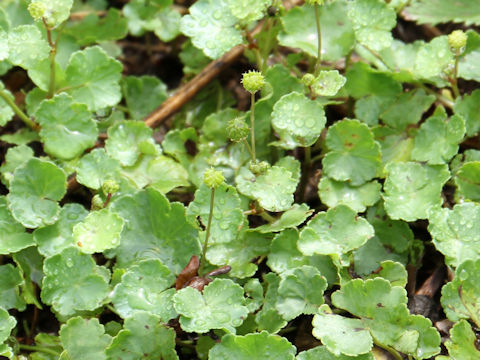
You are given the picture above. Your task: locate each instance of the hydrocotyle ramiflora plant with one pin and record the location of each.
(319, 200)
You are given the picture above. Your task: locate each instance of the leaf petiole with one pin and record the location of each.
(207, 234)
(29, 122)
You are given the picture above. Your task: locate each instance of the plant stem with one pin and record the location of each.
(267, 217)
(319, 40)
(207, 235)
(270, 23)
(252, 126)
(39, 349)
(29, 122)
(391, 350)
(258, 59)
(51, 58)
(454, 80)
(249, 150)
(308, 157)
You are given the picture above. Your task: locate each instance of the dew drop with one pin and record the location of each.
(203, 23)
(221, 317)
(299, 122)
(72, 216)
(224, 225)
(217, 14)
(236, 322)
(69, 262)
(310, 123)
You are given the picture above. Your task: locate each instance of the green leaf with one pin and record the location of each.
(93, 78)
(96, 167)
(467, 179)
(13, 236)
(165, 174)
(69, 273)
(67, 127)
(211, 26)
(462, 343)
(328, 83)
(260, 187)
(372, 21)
(411, 189)
(455, 232)
(91, 345)
(166, 234)
(14, 157)
(6, 112)
(461, 297)
(284, 255)
(437, 140)
(438, 11)
(99, 231)
(268, 318)
(300, 31)
(297, 120)
(145, 286)
(55, 12)
(143, 95)
(52, 239)
(23, 136)
(228, 216)
(248, 11)
(259, 346)
(468, 68)
(396, 145)
(127, 140)
(10, 280)
(337, 231)
(333, 193)
(468, 106)
(353, 153)
(35, 189)
(7, 323)
(433, 58)
(291, 218)
(392, 271)
(341, 335)
(220, 306)
(144, 336)
(300, 292)
(27, 46)
(321, 352)
(93, 29)
(363, 80)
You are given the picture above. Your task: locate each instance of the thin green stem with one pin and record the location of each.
(207, 235)
(454, 79)
(308, 157)
(267, 217)
(29, 122)
(51, 58)
(252, 126)
(258, 59)
(318, 157)
(268, 42)
(319, 40)
(249, 150)
(39, 349)
(391, 350)
(111, 308)
(443, 99)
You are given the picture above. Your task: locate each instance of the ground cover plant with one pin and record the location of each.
(239, 179)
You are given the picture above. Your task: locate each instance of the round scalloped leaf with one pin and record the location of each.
(165, 174)
(433, 58)
(211, 26)
(6, 112)
(145, 286)
(99, 231)
(467, 179)
(260, 187)
(461, 297)
(35, 189)
(220, 306)
(143, 336)
(300, 292)
(337, 231)
(127, 140)
(248, 10)
(462, 343)
(84, 339)
(291, 218)
(300, 31)
(227, 218)
(257, 346)
(52, 239)
(341, 335)
(437, 11)
(392, 271)
(93, 78)
(437, 140)
(96, 167)
(166, 234)
(372, 21)
(411, 189)
(55, 12)
(11, 279)
(298, 120)
(328, 83)
(353, 154)
(334, 193)
(268, 318)
(7, 323)
(69, 274)
(143, 94)
(13, 236)
(321, 352)
(27, 47)
(468, 107)
(67, 127)
(14, 157)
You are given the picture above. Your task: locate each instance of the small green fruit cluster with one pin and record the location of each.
(253, 81)
(110, 187)
(237, 129)
(213, 178)
(258, 168)
(37, 10)
(457, 40)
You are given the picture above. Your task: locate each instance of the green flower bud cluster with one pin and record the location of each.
(308, 79)
(258, 168)
(213, 178)
(237, 129)
(457, 40)
(97, 203)
(253, 81)
(110, 187)
(37, 10)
